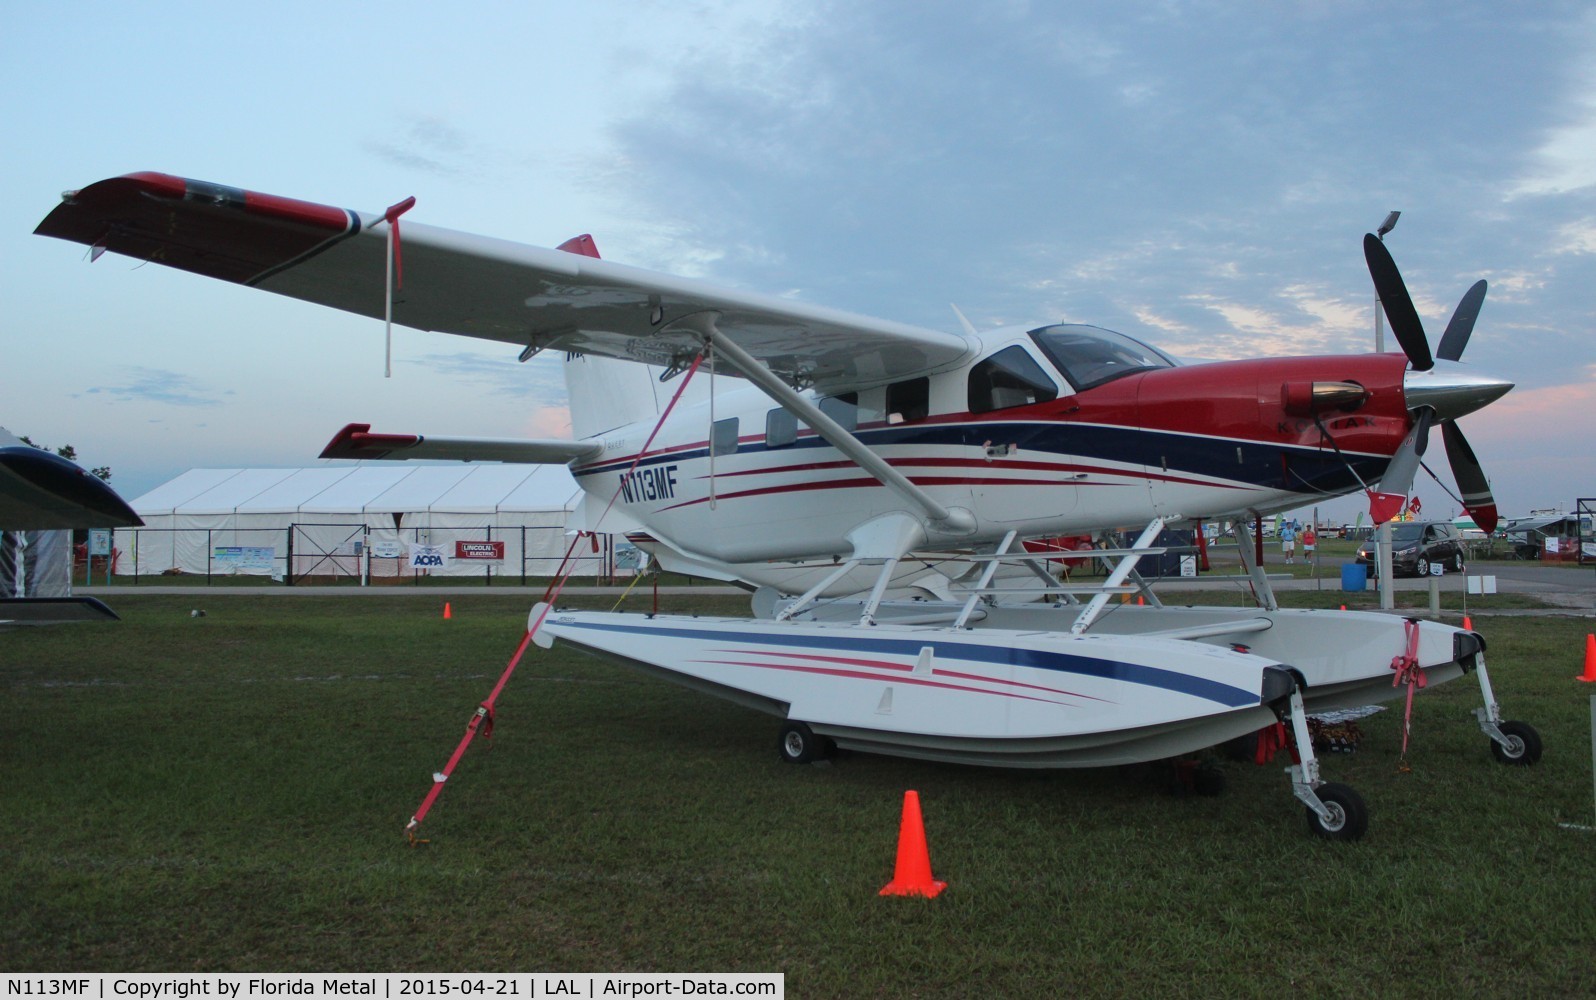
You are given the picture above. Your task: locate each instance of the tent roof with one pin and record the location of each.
(376, 488)
(549, 487)
(177, 492)
(291, 493)
(501, 481)
(234, 492)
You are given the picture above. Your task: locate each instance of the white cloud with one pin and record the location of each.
(1566, 159)
(1578, 236)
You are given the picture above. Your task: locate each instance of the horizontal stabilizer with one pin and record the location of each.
(357, 441)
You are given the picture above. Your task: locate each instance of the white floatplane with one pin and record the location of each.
(850, 449)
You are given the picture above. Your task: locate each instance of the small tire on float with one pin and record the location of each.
(1349, 818)
(798, 744)
(1525, 748)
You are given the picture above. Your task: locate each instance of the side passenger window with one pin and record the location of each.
(844, 409)
(910, 400)
(781, 428)
(723, 437)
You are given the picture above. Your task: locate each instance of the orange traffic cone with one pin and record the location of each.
(1468, 623)
(1589, 677)
(912, 876)
(447, 614)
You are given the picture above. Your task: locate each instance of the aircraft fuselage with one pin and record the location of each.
(1179, 442)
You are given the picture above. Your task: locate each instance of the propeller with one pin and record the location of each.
(1457, 332)
(1471, 481)
(1399, 311)
(1432, 400)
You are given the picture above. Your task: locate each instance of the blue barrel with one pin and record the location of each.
(1354, 576)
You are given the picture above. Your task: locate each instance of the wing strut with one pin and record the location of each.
(952, 520)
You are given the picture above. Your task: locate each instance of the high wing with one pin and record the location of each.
(531, 297)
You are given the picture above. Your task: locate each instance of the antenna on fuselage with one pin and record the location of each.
(969, 327)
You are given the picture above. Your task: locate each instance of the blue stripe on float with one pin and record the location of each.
(1116, 670)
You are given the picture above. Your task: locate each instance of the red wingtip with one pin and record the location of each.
(582, 245)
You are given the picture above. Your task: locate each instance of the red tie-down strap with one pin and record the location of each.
(1272, 740)
(1408, 671)
(482, 719)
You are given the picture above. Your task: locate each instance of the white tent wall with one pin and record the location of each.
(351, 520)
(152, 549)
(532, 505)
(146, 551)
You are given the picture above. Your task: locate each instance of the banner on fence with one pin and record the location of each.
(243, 558)
(479, 551)
(428, 557)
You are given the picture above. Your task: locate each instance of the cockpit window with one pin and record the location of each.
(1089, 355)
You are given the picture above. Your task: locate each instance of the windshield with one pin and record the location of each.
(1408, 531)
(1091, 355)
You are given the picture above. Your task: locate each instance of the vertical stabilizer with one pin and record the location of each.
(606, 394)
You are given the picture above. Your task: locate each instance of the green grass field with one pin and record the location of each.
(229, 793)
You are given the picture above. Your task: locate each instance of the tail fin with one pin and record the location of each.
(606, 393)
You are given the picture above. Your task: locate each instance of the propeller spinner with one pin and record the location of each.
(1435, 392)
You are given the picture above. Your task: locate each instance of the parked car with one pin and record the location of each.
(1416, 546)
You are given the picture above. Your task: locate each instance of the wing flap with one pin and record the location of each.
(531, 297)
(357, 441)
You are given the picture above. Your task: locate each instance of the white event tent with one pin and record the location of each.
(366, 521)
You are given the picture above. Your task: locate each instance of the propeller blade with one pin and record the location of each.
(1457, 332)
(1398, 305)
(1397, 482)
(1471, 482)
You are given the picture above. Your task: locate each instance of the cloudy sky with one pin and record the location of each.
(1198, 175)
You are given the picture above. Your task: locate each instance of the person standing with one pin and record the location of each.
(1288, 542)
(1310, 540)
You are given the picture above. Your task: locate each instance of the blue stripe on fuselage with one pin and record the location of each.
(1288, 468)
